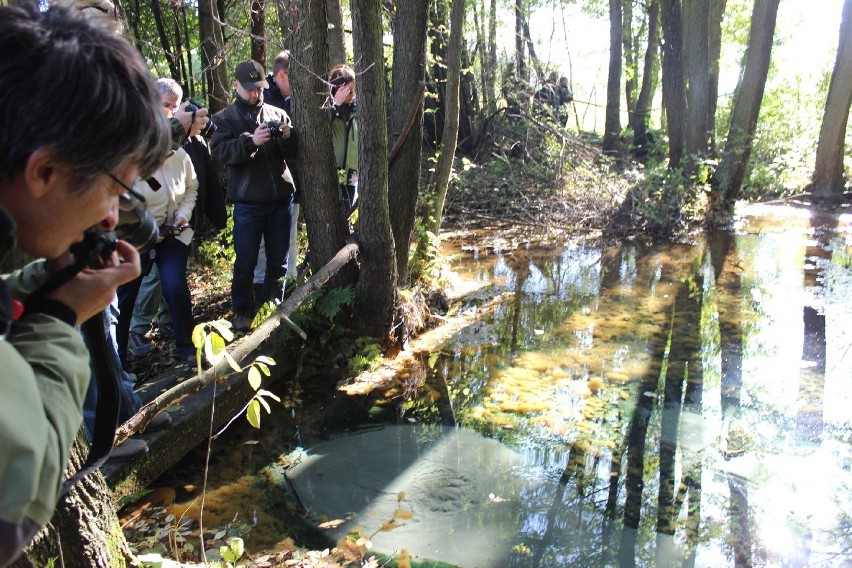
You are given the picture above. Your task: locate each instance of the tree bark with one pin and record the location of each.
(827, 180)
(409, 64)
(674, 93)
(449, 139)
(325, 217)
(650, 78)
(612, 123)
(728, 179)
(717, 12)
(84, 530)
(697, 47)
(174, 70)
(258, 31)
(630, 57)
(491, 67)
(520, 60)
(213, 56)
(377, 283)
(336, 41)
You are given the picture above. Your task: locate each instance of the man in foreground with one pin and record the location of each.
(66, 158)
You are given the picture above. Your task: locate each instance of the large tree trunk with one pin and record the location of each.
(674, 93)
(650, 77)
(377, 282)
(213, 56)
(449, 139)
(409, 64)
(324, 216)
(827, 181)
(612, 123)
(84, 530)
(630, 57)
(258, 31)
(728, 179)
(717, 12)
(697, 51)
(336, 42)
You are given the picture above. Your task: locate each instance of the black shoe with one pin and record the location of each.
(242, 323)
(160, 421)
(128, 450)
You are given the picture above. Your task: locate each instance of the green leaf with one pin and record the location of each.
(265, 404)
(254, 378)
(265, 359)
(224, 329)
(253, 413)
(263, 368)
(198, 336)
(266, 393)
(234, 365)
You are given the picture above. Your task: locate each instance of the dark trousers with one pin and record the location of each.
(251, 222)
(171, 256)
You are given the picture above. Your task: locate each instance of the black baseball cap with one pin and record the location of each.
(251, 75)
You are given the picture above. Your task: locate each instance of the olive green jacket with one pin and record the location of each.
(44, 374)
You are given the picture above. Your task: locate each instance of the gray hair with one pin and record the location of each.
(169, 86)
(106, 116)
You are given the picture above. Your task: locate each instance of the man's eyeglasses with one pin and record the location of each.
(129, 198)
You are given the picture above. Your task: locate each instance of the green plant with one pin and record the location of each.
(368, 355)
(233, 551)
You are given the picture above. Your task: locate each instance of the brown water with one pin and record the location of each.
(686, 404)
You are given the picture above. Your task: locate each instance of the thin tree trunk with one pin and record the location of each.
(258, 31)
(491, 68)
(520, 60)
(674, 93)
(174, 70)
(539, 70)
(449, 139)
(377, 282)
(336, 42)
(717, 12)
(324, 217)
(630, 58)
(728, 179)
(409, 65)
(650, 77)
(827, 181)
(612, 124)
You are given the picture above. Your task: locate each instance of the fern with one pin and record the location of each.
(331, 304)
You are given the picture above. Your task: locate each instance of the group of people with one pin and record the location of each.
(70, 161)
(553, 93)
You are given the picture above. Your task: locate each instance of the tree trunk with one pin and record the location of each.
(174, 70)
(697, 52)
(650, 77)
(491, 67)
(717, 12)
(84, 530)
(258, 31)
(213, 56)
(728, 179)
(612, 124)
(449, 139)
(324, 217)
(377, 282)
(539, 70)
(630, 57)
(827, 181)
(409, 64)
(520, 60)
(674, 94)
(336, 41)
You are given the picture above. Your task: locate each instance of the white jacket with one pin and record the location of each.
(177, 194)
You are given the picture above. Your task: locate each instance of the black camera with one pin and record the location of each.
(171, 230)
(208, 130)
(275, 129)
(135, 225)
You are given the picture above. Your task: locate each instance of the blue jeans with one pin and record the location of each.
(171, 256)
(251, 222)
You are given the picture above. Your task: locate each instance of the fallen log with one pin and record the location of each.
(241, 350)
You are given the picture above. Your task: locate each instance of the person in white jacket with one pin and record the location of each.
(171, 204)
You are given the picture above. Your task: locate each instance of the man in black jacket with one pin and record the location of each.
(253, 140)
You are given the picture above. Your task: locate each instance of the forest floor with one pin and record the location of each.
(567, 193)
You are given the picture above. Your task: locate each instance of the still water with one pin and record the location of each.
(685, 404)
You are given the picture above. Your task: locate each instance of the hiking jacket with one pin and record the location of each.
(256, 174)
(44, 377)
(177, 193)
(344, 136)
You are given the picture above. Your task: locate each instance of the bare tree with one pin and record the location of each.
(612, 123)
(650, 78)
(827, 181)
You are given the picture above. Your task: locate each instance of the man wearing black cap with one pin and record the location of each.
(253, 140)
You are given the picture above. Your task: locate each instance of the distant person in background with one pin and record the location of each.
(344, 130)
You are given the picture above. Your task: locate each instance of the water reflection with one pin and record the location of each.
(675, 405)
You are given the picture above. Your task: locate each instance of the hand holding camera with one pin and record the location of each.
(194, 119)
